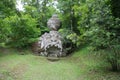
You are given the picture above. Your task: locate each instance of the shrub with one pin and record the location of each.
(22, 30)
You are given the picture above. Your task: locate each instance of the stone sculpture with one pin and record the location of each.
(50, 44)
(54, 23)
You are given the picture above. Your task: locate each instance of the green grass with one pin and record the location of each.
(79, 66)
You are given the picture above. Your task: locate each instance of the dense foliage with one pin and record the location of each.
(22, 30)
(97, 22)
(104, 31)
(115, 8)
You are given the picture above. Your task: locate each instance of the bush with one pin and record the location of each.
(100, 27)
(104, 31)
(70, 39)
(22, 30)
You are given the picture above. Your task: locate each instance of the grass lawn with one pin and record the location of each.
(79, 66)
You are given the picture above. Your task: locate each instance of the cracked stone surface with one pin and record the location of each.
(50, 44)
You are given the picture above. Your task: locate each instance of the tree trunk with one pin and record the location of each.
(114, 61)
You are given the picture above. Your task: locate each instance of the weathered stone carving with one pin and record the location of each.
(54, 23)
(50, 44)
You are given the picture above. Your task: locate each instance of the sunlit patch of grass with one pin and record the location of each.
(31, 67)
(82, 65)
